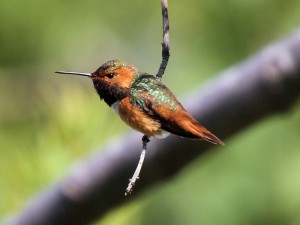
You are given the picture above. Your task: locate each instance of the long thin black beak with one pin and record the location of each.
(75, 73)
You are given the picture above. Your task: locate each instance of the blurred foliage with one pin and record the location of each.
(47, 121)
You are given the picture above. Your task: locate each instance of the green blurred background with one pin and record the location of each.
(48, 121)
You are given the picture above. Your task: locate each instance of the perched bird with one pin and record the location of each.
(144, 103)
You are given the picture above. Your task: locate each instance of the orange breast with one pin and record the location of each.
(136, 119)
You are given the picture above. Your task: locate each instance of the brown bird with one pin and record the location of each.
(144, 103)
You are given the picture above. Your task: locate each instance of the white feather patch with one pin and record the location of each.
(162, 135)
(116, 106)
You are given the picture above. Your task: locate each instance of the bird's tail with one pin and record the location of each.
(202, 133)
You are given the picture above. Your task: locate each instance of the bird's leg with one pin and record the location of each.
(137, 171)
(145, 141)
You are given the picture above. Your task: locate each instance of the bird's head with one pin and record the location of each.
(112, 80)
(113, 72)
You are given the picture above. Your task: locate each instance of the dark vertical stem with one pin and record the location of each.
(165, 43)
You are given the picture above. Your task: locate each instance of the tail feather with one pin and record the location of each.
(204, 134)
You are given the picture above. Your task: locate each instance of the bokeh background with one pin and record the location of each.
(48, 121)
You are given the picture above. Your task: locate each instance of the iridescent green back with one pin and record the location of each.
(146, 89)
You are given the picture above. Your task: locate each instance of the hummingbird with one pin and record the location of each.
(144, 103)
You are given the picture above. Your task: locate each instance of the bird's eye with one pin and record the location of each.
(110, 75)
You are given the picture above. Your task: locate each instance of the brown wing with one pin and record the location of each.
(181, 123)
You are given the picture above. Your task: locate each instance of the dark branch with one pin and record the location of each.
(265, 84)
(165, 44)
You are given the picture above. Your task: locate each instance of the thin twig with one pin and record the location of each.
(163, 65)
(137, 171)
(165, 44)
